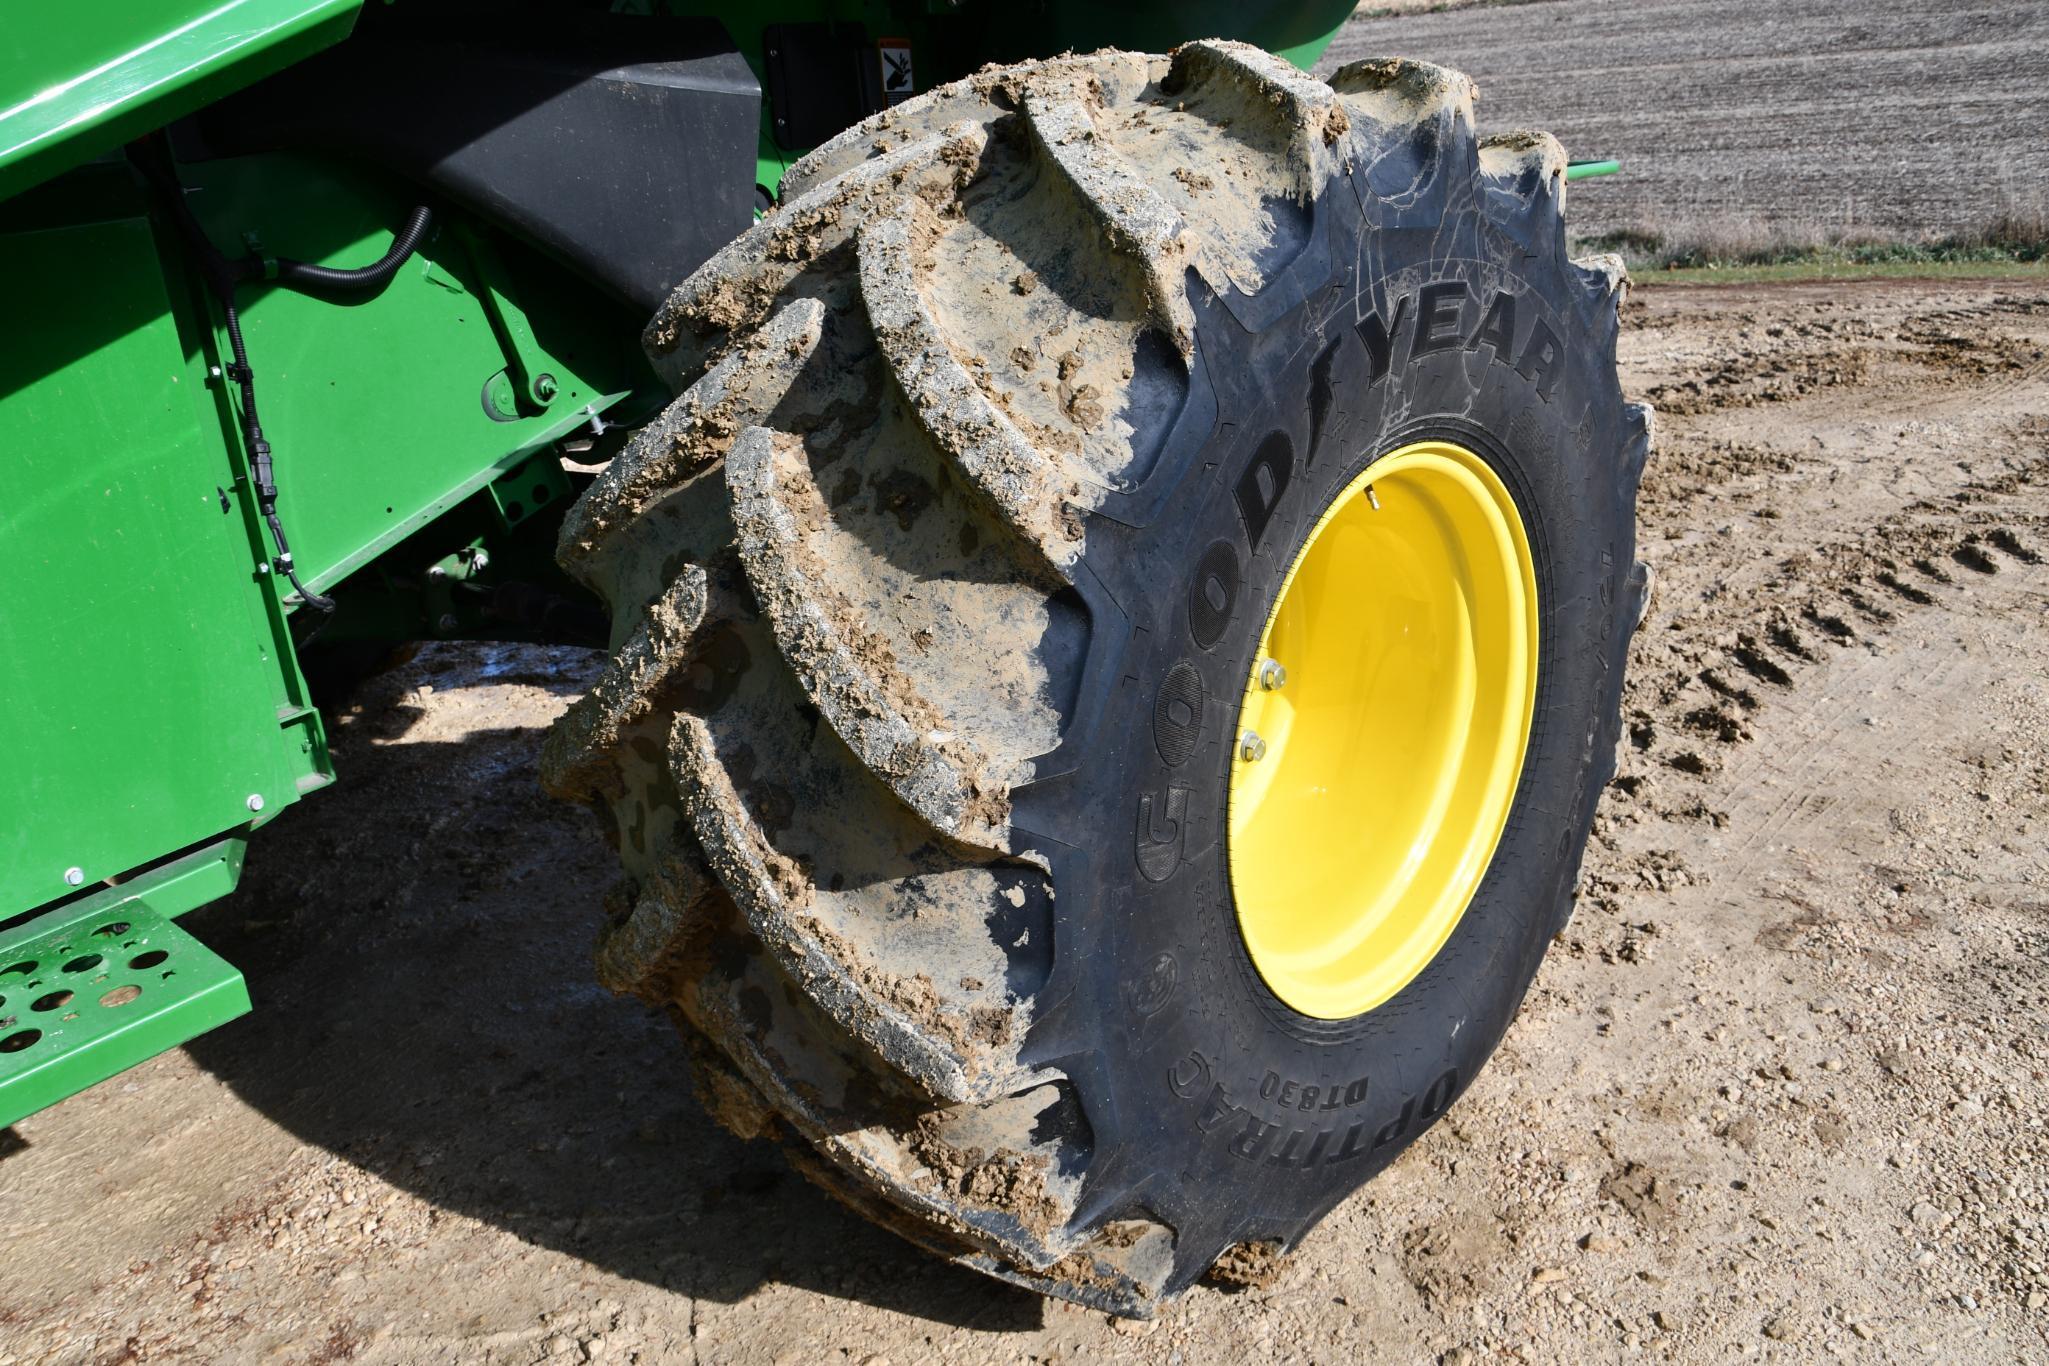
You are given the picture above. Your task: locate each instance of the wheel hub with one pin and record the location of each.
(1382, 731)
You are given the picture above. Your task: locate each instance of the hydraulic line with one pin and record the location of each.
(312, 279)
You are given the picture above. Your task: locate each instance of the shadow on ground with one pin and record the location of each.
(416, 940)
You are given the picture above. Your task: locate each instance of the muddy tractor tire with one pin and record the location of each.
(1010, 451)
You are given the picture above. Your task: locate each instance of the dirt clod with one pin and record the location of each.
(1248, 1266)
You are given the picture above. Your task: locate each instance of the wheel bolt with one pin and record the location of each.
(1272, 676)
(1250, 747)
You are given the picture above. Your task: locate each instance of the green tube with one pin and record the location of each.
(1580, 170)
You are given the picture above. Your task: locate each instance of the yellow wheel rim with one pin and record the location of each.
(1383, 729)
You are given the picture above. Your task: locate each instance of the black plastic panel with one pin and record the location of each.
(625, 147)
(822, 78)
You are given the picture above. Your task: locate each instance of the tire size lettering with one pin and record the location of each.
(1297, 1095)
(1284, 1140)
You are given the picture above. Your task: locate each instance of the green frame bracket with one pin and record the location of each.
(1586, 170)
(530, 387)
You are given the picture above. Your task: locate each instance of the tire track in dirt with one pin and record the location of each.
(1700, 675)
(1798, 696)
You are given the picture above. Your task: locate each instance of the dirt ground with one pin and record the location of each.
(1778, 1093)
(1878, 115)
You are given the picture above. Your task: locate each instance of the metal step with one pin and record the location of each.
(101, 992)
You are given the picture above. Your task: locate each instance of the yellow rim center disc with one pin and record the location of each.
(1383, 730)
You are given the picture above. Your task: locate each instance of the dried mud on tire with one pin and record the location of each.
(948, 439)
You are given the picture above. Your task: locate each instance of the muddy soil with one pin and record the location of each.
(1778, 1092)
(1880, 116)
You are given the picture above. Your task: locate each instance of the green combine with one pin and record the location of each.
(1116, 568)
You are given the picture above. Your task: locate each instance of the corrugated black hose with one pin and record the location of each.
(312, 279)
(152, 157)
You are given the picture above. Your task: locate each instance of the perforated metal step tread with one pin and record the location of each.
(83, 1000)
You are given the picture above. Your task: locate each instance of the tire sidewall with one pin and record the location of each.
(1233, 1085)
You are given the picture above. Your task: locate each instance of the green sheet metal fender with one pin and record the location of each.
(76, 81)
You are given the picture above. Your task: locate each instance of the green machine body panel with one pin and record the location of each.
(151, 697)
(74, 83)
